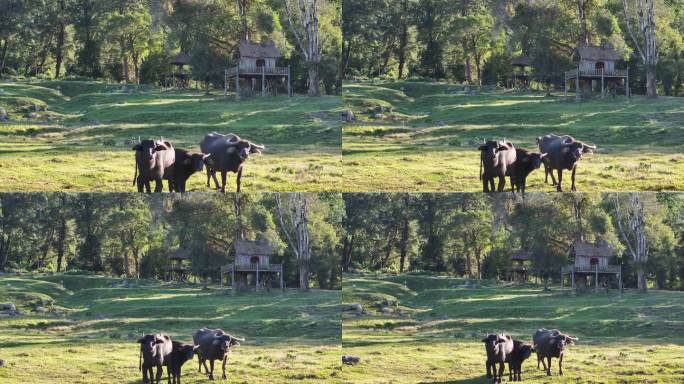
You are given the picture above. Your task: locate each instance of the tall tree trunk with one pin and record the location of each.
(4, 251)
(59, 54)
(309, 45)
(242, 14)
(403, 244)
(61, 240)
(644, 12)
(403, 40)
(3, 56)
(632, 227)
(581, 9)
(347, 249)
(299, 241)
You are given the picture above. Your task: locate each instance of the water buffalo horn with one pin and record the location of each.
(257, 146)
(238, 338)
(590, 146)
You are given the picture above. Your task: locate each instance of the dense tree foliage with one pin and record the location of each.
(474, 41)
(132, 40)
(474, 235)
(132, 235)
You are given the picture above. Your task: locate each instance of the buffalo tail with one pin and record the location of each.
(140, 361)
(135, 175)
(481, 167)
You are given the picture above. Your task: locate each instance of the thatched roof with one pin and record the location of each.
(263, 50)
(592, 52)
(180, 254)
(522, 255)
(180, 59)
(252, 248)
(522, 61)
(591, 250)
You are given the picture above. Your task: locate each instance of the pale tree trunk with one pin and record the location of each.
(644, 11)
(61, 240)
(242, 13)
(403, 39)
(582, 12)
(299, 241)
(307, 16)
(59, 54)
(632, 227)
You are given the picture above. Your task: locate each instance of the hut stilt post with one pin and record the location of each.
(602, 84)
(628, 92)
(257, 278)
(232, 281)
(572, 277)
(225, 82)
(562, 280)
(565, 89)
(577, 95)
(237, 82)
(289, 90)
(596, 280)
(282, 286)
(221, 278)
(263, 81)
(620, 280)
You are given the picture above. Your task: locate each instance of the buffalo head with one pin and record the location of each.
(148, 342)
(526, 351)
(149, 147)
(491, 148)
(492, 340)
(197, 161)
(576, 148)
(561, 341)
(535, 159)
(242, 148)
(226, 341)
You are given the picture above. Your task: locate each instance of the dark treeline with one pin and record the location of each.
(474, 41)
(132, 40)
(132, 235)
(475, 235)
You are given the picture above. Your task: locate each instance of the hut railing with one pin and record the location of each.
(253, 267)
(592, 268)
(596, 73)
(257, 71)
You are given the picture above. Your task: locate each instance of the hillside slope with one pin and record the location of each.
(432, 327)
(88, 332)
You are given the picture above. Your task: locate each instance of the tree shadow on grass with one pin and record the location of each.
(477, 380)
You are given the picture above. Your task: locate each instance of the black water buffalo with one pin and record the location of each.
(228, 154)
(525, 163)
(213, 344)
(562, 152)
(153, 162)
(498, 347)
(154, 352)
(549, 344)
(520, 353)
(185, 165)
(180, 353)
(496, 157)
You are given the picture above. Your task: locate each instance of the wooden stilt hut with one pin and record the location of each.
(521, 76)
(256, 64)
(178, 267)
(518, 270)
(591, 261)
(596, 64)
(252, 258)
(178, 78)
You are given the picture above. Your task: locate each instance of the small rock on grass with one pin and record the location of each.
(2, 363)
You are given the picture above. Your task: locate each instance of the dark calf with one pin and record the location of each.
(549, 344)
(525, 163)
(520, 353)
(185, 165)
(180, 353)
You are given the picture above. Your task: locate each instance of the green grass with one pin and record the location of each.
(89, 334)
(434, 333)
(427, 140)
(80, 142)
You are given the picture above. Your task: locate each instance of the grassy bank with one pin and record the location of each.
(433, 334)
(89, 331)
(79, 140)
(412, 136)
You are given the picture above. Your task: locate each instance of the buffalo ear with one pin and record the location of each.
(586, 149)
(159, 341)
(484, 340)
(502, 148)
(140, 341)
(253, 149)
(186, 161)
(160, 148)
(137, 147)
(482, 147)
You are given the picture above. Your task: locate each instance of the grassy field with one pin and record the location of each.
(81, 143)
(89, 333)
(433, 334)
(426, 137)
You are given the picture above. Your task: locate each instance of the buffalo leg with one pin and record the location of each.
(208, 177)
(501, 372)
(223, 367)
(199, 362)
(510, 371)
(574, 168)
(223, 181)
(204, 362)
(145, 371)
(548, 366)
(489, 369)
(560, 365)
(485, 185)
(521, 185)
(160, 372)
(211, 366)
(238, 179)
(559, 188)
(140, 184)
(213, 175)
(158, 186)
(502, 183)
